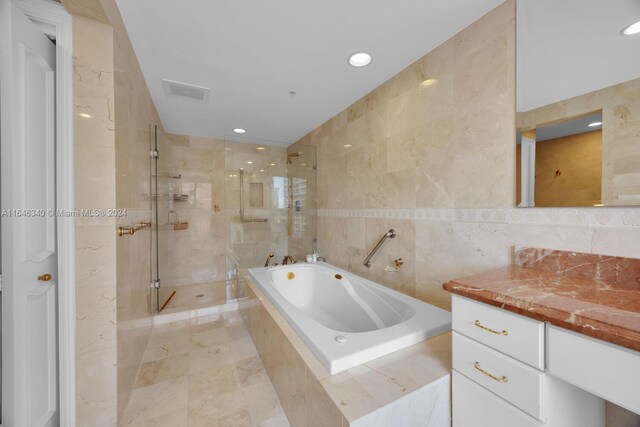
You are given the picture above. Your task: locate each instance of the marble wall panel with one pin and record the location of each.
(96, 353)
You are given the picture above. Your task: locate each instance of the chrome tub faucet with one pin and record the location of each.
(266, 263)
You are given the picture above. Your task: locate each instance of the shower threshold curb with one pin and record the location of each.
(161, 319)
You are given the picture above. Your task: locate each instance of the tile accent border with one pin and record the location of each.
(570, 217)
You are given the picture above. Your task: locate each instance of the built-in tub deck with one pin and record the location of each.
(411, 384)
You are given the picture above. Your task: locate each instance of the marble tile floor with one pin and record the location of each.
(203, 372)
(191, 297)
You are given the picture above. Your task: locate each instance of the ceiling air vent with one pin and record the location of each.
(183, 90)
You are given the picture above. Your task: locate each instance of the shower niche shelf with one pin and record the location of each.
(175, 197)
(168, 175)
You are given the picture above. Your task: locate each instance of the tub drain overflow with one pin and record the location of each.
(341, 339)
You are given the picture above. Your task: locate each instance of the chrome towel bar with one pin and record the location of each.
(388, 235)
(129, 231)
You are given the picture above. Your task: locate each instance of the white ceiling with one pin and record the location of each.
(252, 53)
(569, 127)
(571, 47)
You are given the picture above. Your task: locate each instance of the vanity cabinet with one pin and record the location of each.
(607, 370)
(500, 377)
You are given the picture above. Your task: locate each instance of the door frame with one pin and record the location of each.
(54, 20)
(528, 173)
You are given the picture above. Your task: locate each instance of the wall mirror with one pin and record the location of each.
(578, 103)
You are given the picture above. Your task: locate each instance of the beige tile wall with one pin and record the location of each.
(112, 171)
(437, 163)
(409, 144)
(96, 355)
(135, 115)
(197, 254)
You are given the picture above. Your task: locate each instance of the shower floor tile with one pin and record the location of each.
(203, 372)
(191, 297)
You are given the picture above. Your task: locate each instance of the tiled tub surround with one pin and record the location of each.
(408, 387)
(347, 320)
(591, 294)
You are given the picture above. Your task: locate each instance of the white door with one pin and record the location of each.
(29, 261)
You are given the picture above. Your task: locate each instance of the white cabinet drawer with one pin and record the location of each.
(514, 335)
(515, 382)
(606, 370)
(473, 406)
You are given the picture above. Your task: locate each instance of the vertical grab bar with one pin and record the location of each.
(242, 218)
(388, 235)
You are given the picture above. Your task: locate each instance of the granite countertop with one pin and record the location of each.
(558, 288)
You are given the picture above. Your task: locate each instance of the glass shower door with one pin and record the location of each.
(164, 219)
(256, 208)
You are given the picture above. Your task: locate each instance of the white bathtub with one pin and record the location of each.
(345, 319)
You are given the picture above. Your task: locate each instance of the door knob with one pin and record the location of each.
(45, 277)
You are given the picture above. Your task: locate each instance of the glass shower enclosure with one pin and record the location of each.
(163, 220)
(270, 201)
(208, 226)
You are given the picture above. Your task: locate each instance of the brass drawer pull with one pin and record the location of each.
(493, 331)
(501, 379)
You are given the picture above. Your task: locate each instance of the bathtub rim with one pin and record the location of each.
(353, 278)
(430, 362)
(334, 360)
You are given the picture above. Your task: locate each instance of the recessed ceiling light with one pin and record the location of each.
(250, 163)
(360, 59)
(632, 29)
(303, 164)
(260, 148)
(347, 145)
(261, 170)
(272, 164)
(85, 115)
(239, 130)
(428, 82)
(594, 124)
